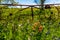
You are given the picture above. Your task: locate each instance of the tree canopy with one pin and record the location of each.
(7, 1)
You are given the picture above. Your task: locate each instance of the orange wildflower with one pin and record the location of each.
(40, 28)
(37, 23)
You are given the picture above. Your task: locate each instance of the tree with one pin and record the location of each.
(6, 1)
(42, 4)
(11, 1)
(1, 1)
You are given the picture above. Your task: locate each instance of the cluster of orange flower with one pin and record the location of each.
(37, 24)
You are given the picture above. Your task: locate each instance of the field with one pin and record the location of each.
(20, 25)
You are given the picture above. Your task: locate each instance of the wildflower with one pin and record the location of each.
(37, 23)
(40, 28)
(20, 24)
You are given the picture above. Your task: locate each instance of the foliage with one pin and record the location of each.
(7, 1)
(14, 25)
(42, 3)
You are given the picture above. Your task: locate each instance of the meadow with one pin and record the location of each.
(19, 25)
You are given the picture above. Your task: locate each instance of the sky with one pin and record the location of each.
(31, 2)
(26, 2)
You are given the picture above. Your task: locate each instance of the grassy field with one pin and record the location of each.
(19, 25)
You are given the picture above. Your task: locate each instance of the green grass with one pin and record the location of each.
(13, 26)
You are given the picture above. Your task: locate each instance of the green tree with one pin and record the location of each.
(42, 3)
(1, 1)
(6, 1)
(11, 1)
